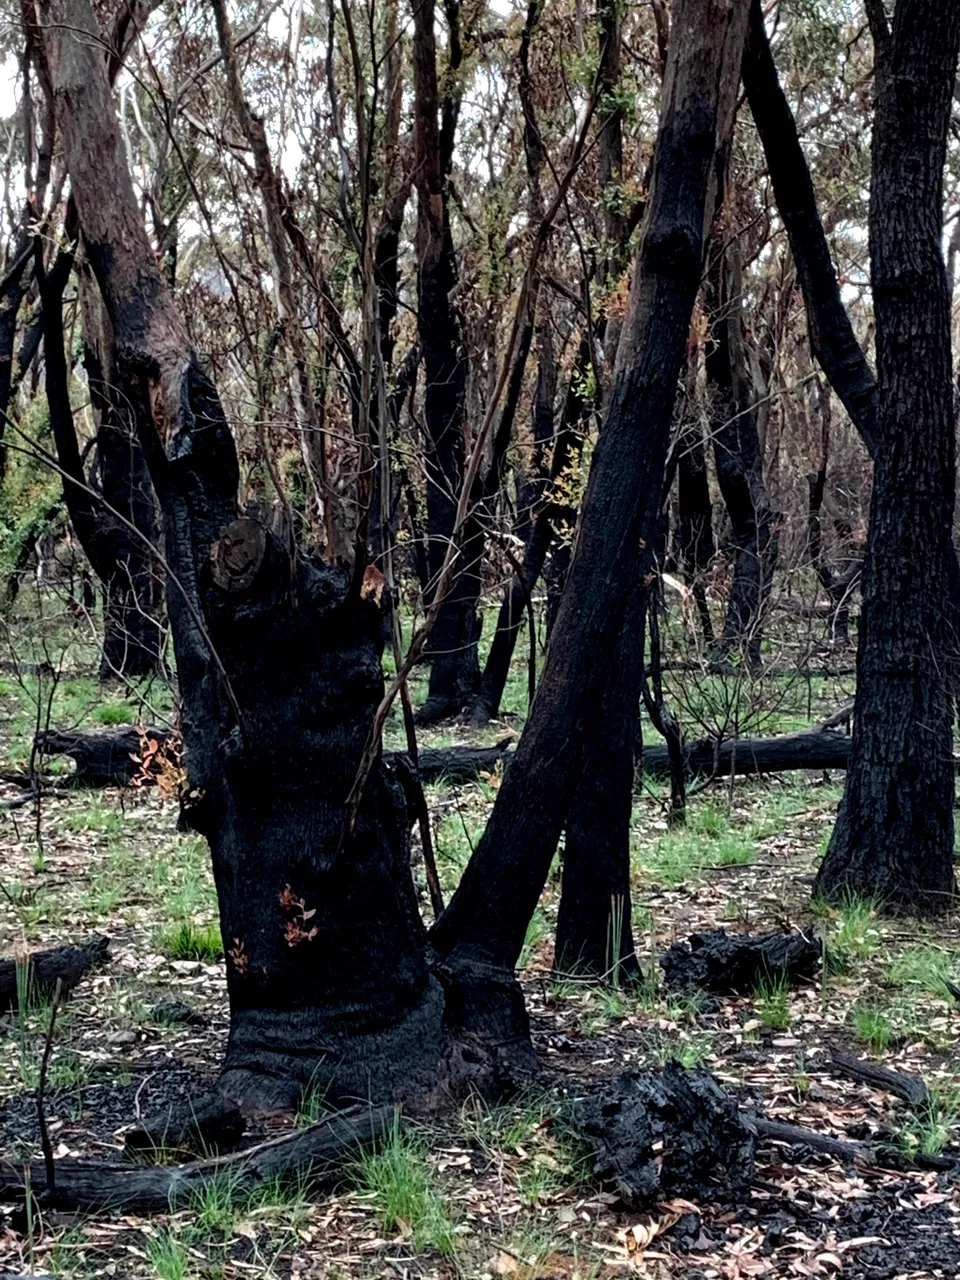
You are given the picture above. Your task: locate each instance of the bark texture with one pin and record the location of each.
(894, 833)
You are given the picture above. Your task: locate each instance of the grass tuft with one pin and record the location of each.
(189, 941)
(399, 1184)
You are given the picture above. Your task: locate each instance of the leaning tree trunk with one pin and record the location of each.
(329, 977)
(455, 667)
(894, 833)
(487, 917)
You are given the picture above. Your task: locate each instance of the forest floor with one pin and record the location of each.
(489, 1191)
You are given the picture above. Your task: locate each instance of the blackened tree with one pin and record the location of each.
(894, 833)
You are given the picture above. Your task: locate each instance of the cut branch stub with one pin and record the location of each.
(236, 558)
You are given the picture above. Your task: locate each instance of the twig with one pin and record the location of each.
(41, 1088)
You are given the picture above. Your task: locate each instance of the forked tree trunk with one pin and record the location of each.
(329, 977)
(487, 917)
(894, 833)
(132, 581)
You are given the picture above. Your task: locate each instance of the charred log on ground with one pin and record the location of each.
(728, 964)
(113, 759)
(663, 1133)
(67, 964)
(315, 1154)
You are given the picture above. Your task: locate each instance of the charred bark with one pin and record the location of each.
(316, 1155)
(894, 833)
(133, 590)
(487, 918)
(736, 964)
(594, 921)
(657, 1134)
(117, 526)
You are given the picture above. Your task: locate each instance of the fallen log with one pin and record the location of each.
(910, 1089)
(109, 759)
(67, 964)
(810, 749)
(734, 964)
(675, 1132)
(316, 1153)
(112, 759)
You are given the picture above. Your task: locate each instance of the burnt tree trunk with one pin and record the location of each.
(486, 920)
(133, 585)
(455, 666)
(894, 833)
(739, 461)
(594, 922)
(329, 977)
(117, 526)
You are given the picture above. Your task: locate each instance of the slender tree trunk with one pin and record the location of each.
(328, 974)
(594, 922)
(832, 339)
(894, 832)
(486, 920)
(695, 512)
(739, 461)
(455, 667)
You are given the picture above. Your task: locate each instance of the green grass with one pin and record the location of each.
(872, 1026)
(537, 930)
(167, 1255)
(214, 1205)
(115, 713)
(850, 930)
(923, 967)
(189, 941)
(932, 1125)
(773, 1002)
(687, 854)
(95, 817)
(398, 1183)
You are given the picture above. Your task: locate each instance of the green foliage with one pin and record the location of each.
(925, 968)
(167, 1255)
(115, 713)
(931, 1126)
(850, 930)
(686, 854)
